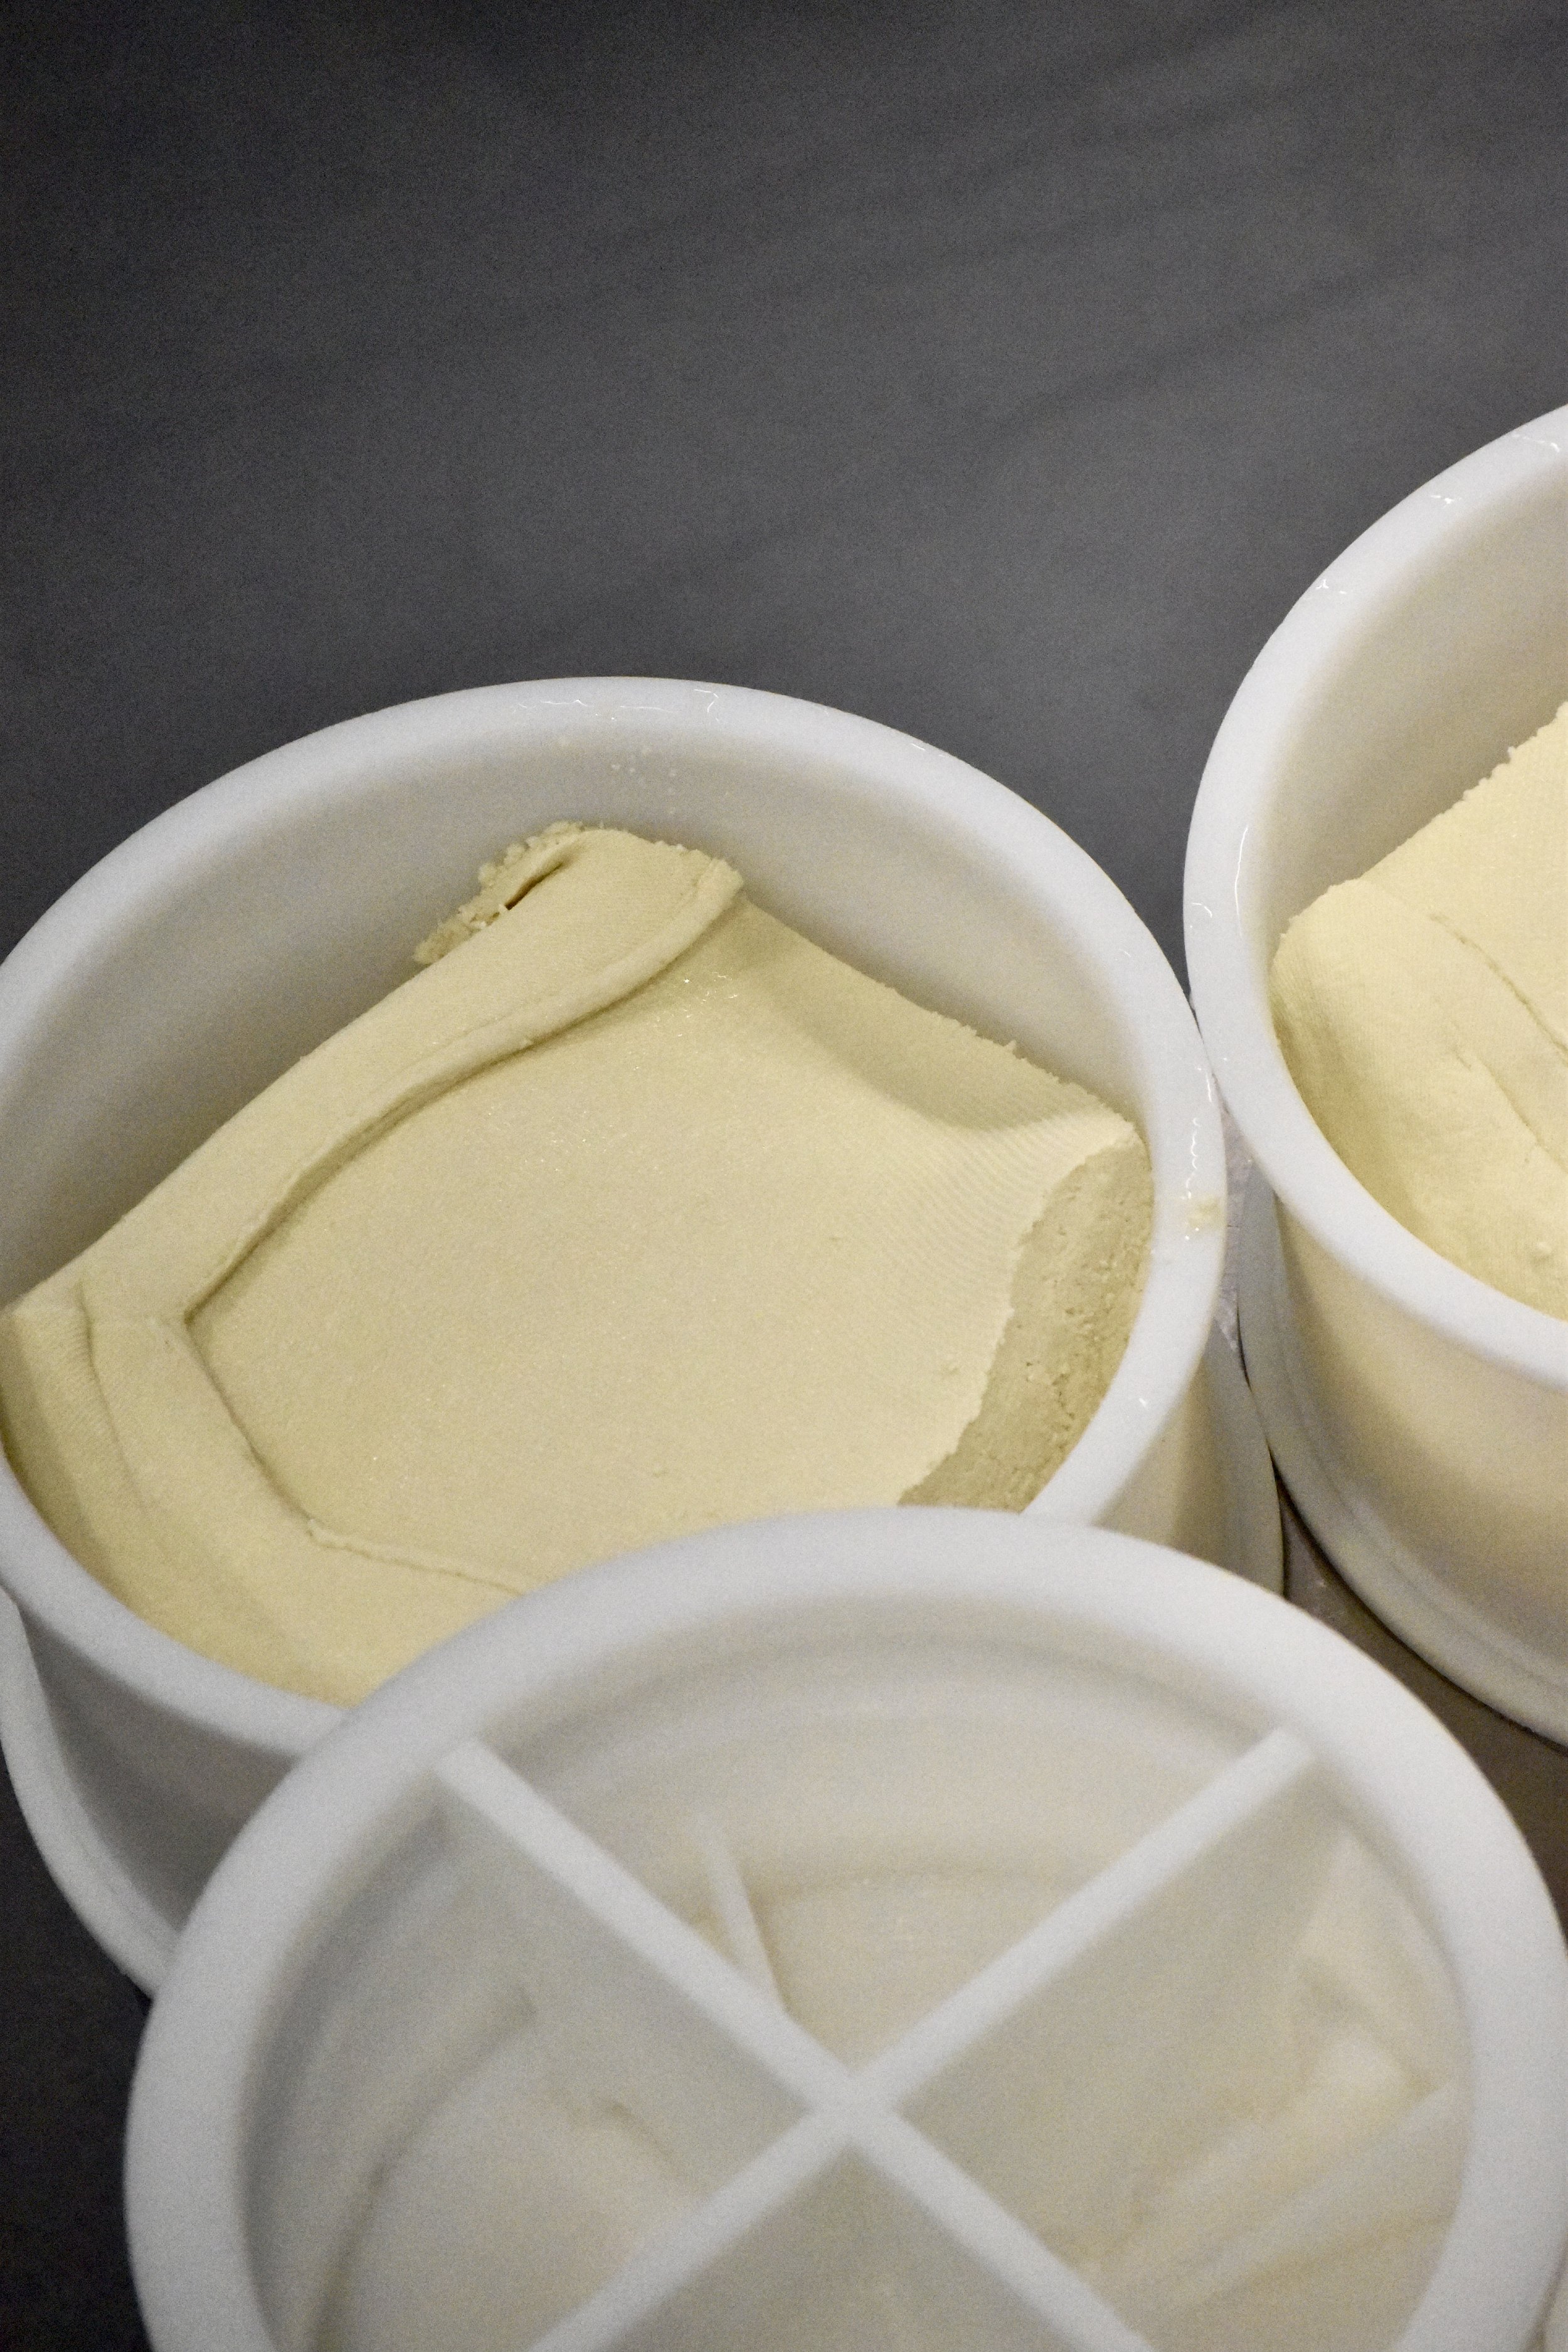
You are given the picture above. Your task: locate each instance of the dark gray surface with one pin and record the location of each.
(1003, 373)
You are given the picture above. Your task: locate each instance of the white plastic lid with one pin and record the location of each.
(888, 1929)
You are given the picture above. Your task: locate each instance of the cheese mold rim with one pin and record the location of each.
(209, 1741)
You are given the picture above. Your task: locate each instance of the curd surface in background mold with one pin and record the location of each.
(1423, 1009)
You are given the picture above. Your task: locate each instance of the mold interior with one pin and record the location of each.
(896, 1993)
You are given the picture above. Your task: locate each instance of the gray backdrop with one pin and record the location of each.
(1001, 372)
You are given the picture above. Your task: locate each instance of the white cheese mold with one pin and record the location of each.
(899, 1928)
(1420, 1417)
(236, 931)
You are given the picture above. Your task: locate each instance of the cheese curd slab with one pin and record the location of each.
(1423, 1010)
(632, 1213)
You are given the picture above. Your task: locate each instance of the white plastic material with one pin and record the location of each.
(206, 954)
(1420, 1416)
(895, 1929)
